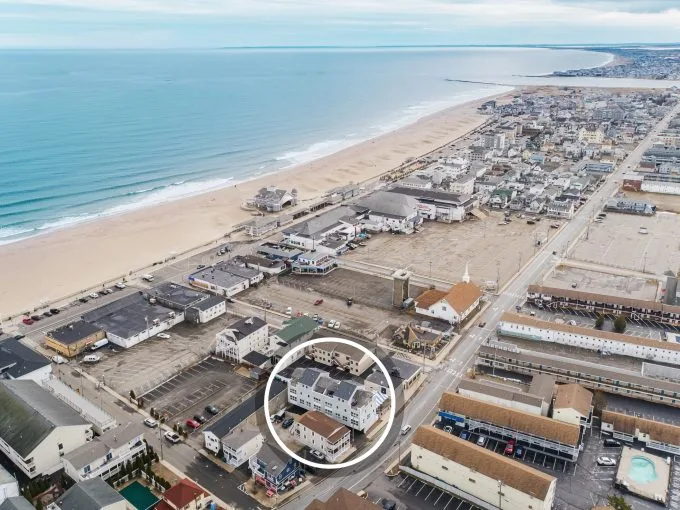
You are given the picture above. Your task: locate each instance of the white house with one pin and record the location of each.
(333, 354)
(239, 445)
(197, 307)
(225, 279)
(560, 209)
(388, 211)
(105, 454)
(346, 402)
(313, 263)
(37, 429)
(322, 433)
(464, 185)
(9, 487)
(328, 232)
(496, 480)
(521, 326)
(242, 337)
(19, 362)
(453, 306)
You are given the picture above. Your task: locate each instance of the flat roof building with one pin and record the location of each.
(508, 396)
(343, 499)
(73, 338)
(19, 362)
(346, 357)
(494, 479)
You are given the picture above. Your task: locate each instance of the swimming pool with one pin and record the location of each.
(642, 470)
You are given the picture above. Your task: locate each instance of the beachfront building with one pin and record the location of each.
(225, 279)
(314, 263)
(276, 475)
(106, 454)
(439, 205)
(37, 429)
(132, 319)
(485, 478)
(260, 225)
(390, 212)
(344, 401)
(19, 362)
(197, 307)
(320, 432)
(530, 328)
(73, 338)
(455, 306)
(237, 446)
(346, 357)
(273, 199)
(327, 232)
(241, 338)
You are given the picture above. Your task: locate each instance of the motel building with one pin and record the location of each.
(480, 476)
(529, 328)
(319, 432)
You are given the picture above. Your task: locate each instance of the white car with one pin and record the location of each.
(318, 454)
(150, 422)
(120, 285)
(606, 461)
(164, 336)
(331, 324)
(59, 360)
(173, 437)
(337, 325)
(481, 441)
(94, 295)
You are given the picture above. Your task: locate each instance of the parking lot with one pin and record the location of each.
(442, 250)
(617, 242)
(153, 361)
(410, 492)
(188, 392)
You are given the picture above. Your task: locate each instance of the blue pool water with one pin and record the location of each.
(642, 470)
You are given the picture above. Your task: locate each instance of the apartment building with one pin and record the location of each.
(347, 357)
(105, 454)
(241, 444)
(660, 436)
(242, 337)
(573, 404)
(530, 328)
(480, 474)
(322, 433)
(344, 401)
(37, 429)
(508, 396)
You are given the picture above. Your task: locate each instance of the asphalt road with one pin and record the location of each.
(423, 409)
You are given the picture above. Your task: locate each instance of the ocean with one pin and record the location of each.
(86, 134)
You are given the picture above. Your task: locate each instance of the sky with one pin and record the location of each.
(221, 23)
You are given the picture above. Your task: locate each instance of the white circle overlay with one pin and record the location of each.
(341, 465)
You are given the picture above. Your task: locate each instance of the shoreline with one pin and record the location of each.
(105, 248)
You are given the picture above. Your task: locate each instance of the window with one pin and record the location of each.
(109, 456)
(445, 468)
(60, 446)
(86, 469)
(472, 480)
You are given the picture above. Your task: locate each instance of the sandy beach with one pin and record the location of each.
(50, 267)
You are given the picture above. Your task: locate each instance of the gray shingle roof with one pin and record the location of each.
(17, 360)
(390, 204)
(30, 414)
(16, 503)
(73, 332)
(246, 326)
(309, 376)
(92, 494)
(100, 446)
(345, 390)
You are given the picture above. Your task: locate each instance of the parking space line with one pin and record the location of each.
(424, 485)
(412, 484)
(437, 500)
(448, 502)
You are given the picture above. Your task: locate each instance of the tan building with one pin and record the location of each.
(454, 306)
(495, 479)
(73, 338)
(334, 354)
(414, 337)
(343, 499)
(320, 432)
(573, 404)
(655, 434)
(505, 395)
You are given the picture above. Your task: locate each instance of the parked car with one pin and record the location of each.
(164, 336)
(55, 311)
(150, 422)
(318, 302)
(27, 320)
(331, 323)
(318, 454)
(519, 451)
(315, 317)
(405, 429)
(200, 418)
(465, 435)
(120, 285)
(94, 295)
(47, 314)
(606, 461)
(83, 299)
(173, 437)
(200, 266)
(36, 317)
(230, 300)
(92, 358)
(211, 409)
(108, 291)
(350, 301)
(448, 429)
(337, 325)
(481, 441)
(482, 324)
(193, 424)
(19, 336)
(510, 447)
(59, 360)
(287, 423)
(612, 443)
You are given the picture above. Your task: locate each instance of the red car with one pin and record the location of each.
(193, 424)
(27, 320)
(510, 447)
(318, 302)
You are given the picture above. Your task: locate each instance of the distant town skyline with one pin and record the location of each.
(234, 23)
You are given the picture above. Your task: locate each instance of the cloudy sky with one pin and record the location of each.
(218, 23)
